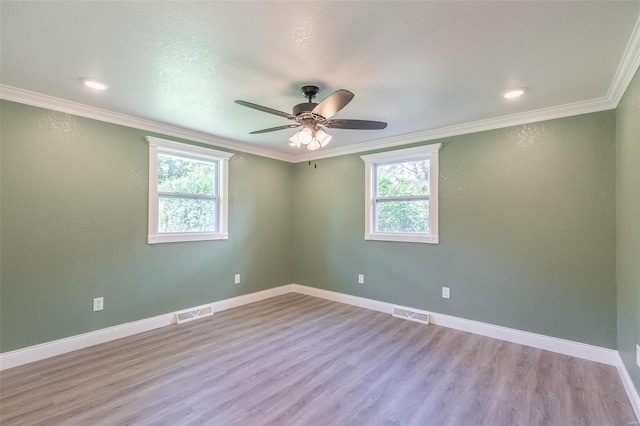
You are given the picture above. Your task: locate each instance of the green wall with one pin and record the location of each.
(628, 226)
(74, 224)
(527, 231)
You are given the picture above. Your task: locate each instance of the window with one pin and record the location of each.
(188, 188)
(401, 195)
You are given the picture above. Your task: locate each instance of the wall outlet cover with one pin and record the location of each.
(446, 294)
(98, 304)
(237, 279)
(360, 278)
(638, 355)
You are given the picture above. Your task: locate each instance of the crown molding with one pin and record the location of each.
(625, 73)
(627, 68)
(576, 108)
(14, 94)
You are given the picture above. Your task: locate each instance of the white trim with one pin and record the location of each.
(184, 238)
(543, 114)
(14, 94)
(80, 341)
(27, 97)
(567, 347)
(223, 198)
(221, 158)
(234, 302)
(434, 177)
(400, 155)
(540, 341)
(347, 299)
(627, 68)
(152, 213)
(182, 148)
(553, 344)
(632, 393)
(400, 238)
(407, 154)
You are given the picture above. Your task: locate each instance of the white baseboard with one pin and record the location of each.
(566, 347)
(223, 305)
(68, 344)
(361, 302)
(80, 341)
(540, 341)
(58, 347)
(632, 393)
(553, 344)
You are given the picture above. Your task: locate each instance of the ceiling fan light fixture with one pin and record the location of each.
(310, 115)
(304, 136)
(313, 145)
(293, 141)
(322, 137)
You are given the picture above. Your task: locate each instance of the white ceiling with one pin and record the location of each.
(419, 66)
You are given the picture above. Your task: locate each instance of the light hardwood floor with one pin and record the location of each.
(299, 360)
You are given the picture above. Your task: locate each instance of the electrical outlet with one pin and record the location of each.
(638, 355)
(237, 279)
(360, 278)
(445, 293)
(98, 304)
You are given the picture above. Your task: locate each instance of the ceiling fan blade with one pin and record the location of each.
(273, 129)
(333, 103)
(354, 124)
(265, 109)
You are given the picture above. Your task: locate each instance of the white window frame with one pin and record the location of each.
(157, 146)
(430, 152)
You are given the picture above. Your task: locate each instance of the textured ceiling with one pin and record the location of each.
(416, 65)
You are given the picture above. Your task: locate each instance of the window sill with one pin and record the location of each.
(403, 238)
(177, 238)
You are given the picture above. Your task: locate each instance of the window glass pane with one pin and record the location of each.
(186, 176)
(402, 179)
(403, 216)
(186, 215)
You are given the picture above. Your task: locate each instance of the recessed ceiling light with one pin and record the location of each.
(514, 93)
(94, 84)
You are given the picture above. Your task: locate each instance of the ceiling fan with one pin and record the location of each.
(313, 116)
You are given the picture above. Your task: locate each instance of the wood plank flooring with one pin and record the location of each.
(299, 360)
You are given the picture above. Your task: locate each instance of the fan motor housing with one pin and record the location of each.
(304, 107)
